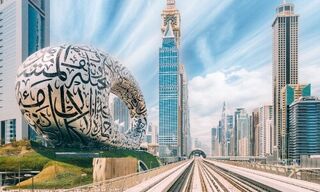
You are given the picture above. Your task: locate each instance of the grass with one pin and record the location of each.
(58, 175)
(58, 171)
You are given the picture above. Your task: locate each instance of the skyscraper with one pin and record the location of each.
(223, 127)
(289, 94)
(169, 87)
(255, 132)
(229, 125)
(234, 134)
(265, 130)
(213, 141)
(24, 30)
(121, 115)
(184, 111)
(243, 132)
(304, 126)
(285, 61)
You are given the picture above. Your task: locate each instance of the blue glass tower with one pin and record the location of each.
(169, 95)
(304, 126)
(25, 28)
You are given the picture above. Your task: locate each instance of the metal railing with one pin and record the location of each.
(122, 183)
(311, 175)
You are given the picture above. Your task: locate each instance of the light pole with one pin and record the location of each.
(19, 173)
(82, 175)
(29, 175)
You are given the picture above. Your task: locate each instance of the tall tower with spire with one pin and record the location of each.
(285, 61)
(169, 124)
(174, 127)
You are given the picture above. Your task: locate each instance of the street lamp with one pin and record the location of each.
(29, 175)
(82, 175)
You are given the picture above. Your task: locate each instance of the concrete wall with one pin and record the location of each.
(307, 162)
(108, 168)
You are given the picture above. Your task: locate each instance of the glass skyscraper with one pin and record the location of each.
(121, 115)
(229, 124)
(242, 122)
(169, 95)
(24, 30)
(304, 126)
(174, 126)
(289, 94)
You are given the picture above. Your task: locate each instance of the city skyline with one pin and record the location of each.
(165, 95)
(236, 75)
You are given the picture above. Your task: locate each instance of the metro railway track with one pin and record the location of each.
(210, 183)
(183, 180)
(239, 182)
(245, 183)
(208, 176)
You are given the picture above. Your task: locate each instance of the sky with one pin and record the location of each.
(226, 47)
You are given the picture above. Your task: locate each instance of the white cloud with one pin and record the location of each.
(153, 115)
(241, 75)
(238, 87)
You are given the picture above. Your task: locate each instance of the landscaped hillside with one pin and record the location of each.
(59, 171)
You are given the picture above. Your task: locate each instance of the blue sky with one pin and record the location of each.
(226, 47)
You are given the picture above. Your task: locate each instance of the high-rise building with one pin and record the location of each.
(251, 136)
(234, 134)
(229, 125)
(304, 126)
(24, 30)
(7, 131)
(223, 131)
(121, 115)
(262, 131)
(285, 61)
(169, 88)
(243, 132)
(184, 112)
(265, 130)
(197, 143)
(255, 132)
(289, 94)
(213, 141)
(154, 134)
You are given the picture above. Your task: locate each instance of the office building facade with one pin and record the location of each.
(174, 125)
(265, 130)
(304, 126)
(169, 95)
(184, 112)
(289, 94)
(285, 61)
(243, 132)
(24, 30)
(229, 126)
(256, 131)
(213, 141)
(121, 115)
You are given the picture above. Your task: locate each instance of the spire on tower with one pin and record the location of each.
(171, 4)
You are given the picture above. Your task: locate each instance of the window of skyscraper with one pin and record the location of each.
(35, 29)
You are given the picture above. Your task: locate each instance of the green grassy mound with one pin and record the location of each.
(59, 171)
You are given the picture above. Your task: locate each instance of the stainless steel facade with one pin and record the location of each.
(63, 93)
